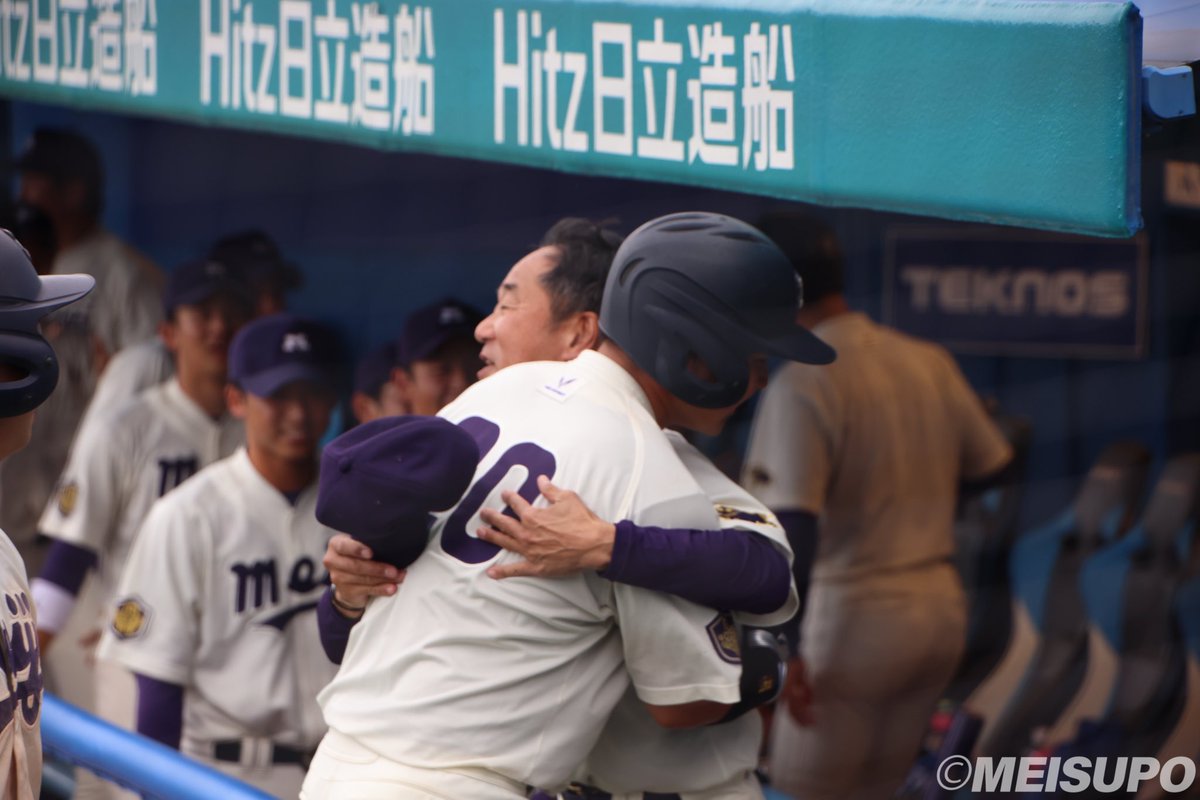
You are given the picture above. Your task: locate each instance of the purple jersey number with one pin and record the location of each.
(536, 460)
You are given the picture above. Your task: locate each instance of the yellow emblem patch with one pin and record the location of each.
(724, 636)
(68, 496)
(731, 513)
(130, 619)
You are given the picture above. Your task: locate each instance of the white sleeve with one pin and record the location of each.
(84, 508)
(154, 626)
(129, 372)
(984, 448)
(676, 651)
(737, 510)
(790, 460)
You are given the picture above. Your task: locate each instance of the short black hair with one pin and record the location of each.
(812, 247)
(64, 156)
(585, 255)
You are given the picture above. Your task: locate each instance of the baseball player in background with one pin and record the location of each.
(61, 176)
(214, 614)
(548, 309)
(375, 394)
(546, 651)
(28, 373)
(437, 355)
(862, 461)
(118, 469)
(254, 258)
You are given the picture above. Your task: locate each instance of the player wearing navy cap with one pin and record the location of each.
(543, 650)
(214, 611)
(117, 470)
(375, 393)
(28, 374)
(437, 355)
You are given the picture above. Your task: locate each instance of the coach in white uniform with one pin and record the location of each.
(215, 609)
(119, 468)
(28, 374)
(866, 454)
(466, 687)
(547, 308)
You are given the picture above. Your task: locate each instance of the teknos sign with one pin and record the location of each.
(990, 292)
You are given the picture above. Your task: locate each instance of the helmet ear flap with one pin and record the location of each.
(35, 357)
(680, 337)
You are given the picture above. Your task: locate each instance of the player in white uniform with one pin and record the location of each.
(549, 310)
(254, 257)
(570, 414)
(28, 373)
(214, 611)
(118, 469)
(864, 459)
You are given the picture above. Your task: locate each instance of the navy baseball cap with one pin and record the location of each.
(255, 254)
(375, 369)
(193, 283)
(428, 328)
(381, 481)
(270, 352)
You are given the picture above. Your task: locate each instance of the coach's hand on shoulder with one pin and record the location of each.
(797, 694)
(563, 538)
(355, 575)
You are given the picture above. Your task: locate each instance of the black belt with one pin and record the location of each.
(231, 750)
(577, 791)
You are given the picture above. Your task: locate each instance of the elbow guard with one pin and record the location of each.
(764, 667)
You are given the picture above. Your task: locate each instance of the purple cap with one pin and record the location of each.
(375, 370)
(428, 328)
(271, 352)
(193, 283)
(381, 481)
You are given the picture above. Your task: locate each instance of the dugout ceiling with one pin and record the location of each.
(1009, 111)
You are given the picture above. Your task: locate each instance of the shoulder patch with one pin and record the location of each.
(561, 388)
(724, 636)
(68, 497)
(731, 513)
(131, 618)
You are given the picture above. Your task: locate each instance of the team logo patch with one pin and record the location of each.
(131, 618)
(562, 388)
(731, 513)
(68, 496)
(724, 636)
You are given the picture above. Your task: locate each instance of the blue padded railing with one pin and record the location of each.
(135, 762)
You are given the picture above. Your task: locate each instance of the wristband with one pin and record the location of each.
(342, 606)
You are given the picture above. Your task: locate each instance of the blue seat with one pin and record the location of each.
(1133, 591)
(1045, 568)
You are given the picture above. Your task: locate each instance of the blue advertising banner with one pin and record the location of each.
(988, 292)
(993, 110)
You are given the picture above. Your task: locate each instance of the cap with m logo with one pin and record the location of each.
(271, 352)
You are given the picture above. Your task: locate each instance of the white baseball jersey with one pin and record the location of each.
(875, 445)
(21, 691)
(119, 467)
(130, 372)
(220, 596)
(635, 753)
(458, 670)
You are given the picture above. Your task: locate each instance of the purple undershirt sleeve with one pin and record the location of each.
(334, 629)
(801, 530)
(731, 570)
(67, 565)
(160, 710)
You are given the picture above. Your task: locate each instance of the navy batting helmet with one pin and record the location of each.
(709, 286)
(25, 298)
